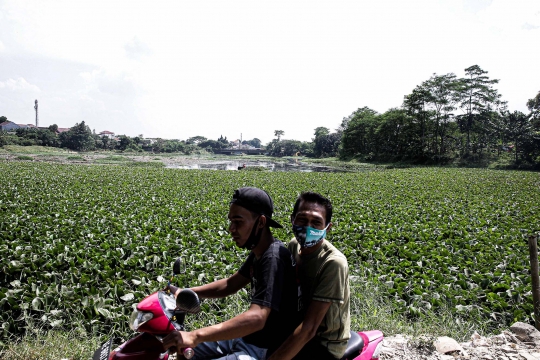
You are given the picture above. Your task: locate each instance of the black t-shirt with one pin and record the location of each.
(273, 284)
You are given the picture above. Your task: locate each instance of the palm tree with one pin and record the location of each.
(279, 134)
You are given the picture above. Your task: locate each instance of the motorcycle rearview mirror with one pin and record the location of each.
(188, 301)
(178, 267)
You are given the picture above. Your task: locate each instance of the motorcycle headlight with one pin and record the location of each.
(138, 318)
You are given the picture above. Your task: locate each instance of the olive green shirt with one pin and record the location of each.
(324, 276)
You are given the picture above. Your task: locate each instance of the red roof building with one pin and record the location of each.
(8, 126)
(107, 133)
(27, 126)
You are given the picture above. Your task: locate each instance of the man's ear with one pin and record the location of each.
(329, 226)
(262, 222)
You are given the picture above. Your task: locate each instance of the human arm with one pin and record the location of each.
(219, 288)
(241, 325)
(304, 332)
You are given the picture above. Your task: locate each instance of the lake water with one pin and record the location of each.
(297, 166)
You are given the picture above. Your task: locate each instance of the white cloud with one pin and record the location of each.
(59, 99)
(105, 82)
(179, 69)
(136, 49)
(528, 26)
(510, 15)
(476, 5)
(19, 84)
(2, 46)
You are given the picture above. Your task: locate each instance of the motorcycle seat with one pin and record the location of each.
(355, 345)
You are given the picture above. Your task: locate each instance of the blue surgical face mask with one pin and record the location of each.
(308, 236)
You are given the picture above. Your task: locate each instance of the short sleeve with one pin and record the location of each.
(332, 282)
(290, 246)
(245, 269)
(268, 282)
(293, 248)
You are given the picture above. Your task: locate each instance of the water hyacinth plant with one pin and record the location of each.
(89, 242)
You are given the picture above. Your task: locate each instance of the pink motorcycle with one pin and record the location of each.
(160, 314)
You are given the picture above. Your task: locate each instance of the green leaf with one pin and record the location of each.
(128, 297)
(37, 304)
(104, 312)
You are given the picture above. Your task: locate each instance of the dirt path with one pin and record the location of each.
(520, 342)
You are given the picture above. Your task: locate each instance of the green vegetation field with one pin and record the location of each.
(89, 242)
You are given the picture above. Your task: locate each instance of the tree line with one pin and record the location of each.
(81, 138)
(446, 118)
(443, 119)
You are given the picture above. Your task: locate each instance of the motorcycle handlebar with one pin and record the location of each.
(188, 353)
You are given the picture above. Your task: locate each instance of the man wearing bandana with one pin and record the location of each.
(324, 283)
(273, 314)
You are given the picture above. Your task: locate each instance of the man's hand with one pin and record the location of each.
(180, 340)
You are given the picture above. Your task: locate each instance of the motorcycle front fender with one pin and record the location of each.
(141, 347)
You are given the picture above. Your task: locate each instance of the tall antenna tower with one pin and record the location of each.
(36, 107)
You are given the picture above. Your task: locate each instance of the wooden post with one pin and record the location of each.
(533, 253)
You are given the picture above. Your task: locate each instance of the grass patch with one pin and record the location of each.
(18, 149)
(350, 165)
(122, 160)
(255, 168)
(372, 309)
(75, 157)
(51, 345)
(113, 159)
(150, 164)
(25, 157)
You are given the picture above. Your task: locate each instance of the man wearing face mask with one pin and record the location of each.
(273, 313)
(324, 278)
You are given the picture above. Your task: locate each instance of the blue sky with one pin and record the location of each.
(176, 69)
